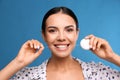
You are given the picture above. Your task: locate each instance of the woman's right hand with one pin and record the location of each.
(29, 51)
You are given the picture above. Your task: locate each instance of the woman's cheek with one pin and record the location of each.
(51, 37)
(72, 37)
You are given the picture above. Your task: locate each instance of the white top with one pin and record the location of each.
(91, 71)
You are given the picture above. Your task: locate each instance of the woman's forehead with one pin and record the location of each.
(60, 19)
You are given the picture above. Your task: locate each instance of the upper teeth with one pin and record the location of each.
(61, 46)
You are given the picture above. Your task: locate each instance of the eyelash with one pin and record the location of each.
(70, 30)
(52, 31)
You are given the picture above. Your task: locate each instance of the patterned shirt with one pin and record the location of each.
(91, 71)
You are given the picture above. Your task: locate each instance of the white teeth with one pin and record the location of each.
(62, 46)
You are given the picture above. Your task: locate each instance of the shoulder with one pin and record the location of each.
(31, 72)
(92, 70)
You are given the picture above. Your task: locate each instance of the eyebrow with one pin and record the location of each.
(69, 26)
(65, 26)
(51, 27)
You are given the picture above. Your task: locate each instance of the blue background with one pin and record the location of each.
(20, 20)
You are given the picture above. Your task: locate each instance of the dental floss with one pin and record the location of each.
(84, 43)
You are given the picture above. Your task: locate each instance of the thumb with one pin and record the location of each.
(39, 51)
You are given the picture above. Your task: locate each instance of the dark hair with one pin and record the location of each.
(56, 10)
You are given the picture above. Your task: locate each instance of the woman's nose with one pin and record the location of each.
(61, 36)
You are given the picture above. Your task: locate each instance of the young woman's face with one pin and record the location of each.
(60, 34)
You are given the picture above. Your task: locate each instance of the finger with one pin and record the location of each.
(31, 43)
(91, 42)
(99, 45)
(39, 50)
(89, 36)
(36, 44)
(28, 44)
(95, 43)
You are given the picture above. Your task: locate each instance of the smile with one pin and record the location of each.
(62, 46)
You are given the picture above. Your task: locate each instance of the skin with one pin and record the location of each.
(61, 36)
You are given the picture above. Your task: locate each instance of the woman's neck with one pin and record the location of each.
(62, 64)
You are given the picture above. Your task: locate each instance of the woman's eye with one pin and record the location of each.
(52, 31)
(70, 30)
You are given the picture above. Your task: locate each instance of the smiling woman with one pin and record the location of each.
(60, 32)
(62, 37)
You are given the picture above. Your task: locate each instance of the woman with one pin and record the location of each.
(60, 31)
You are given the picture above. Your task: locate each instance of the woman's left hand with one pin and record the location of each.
(102, 49)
